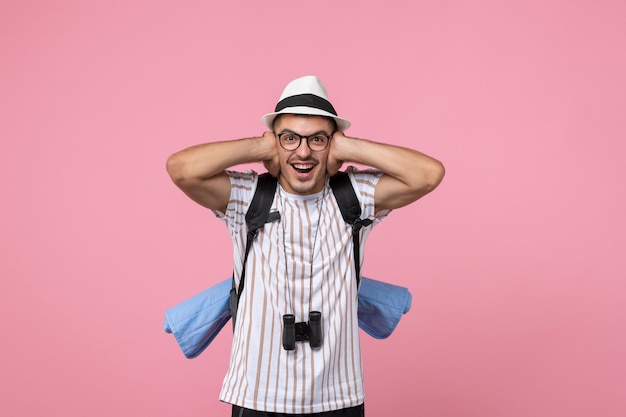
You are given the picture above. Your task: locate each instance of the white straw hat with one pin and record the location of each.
(305, 95)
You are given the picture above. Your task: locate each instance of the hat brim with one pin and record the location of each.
(268, 119)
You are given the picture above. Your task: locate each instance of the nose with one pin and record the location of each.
(303, 148)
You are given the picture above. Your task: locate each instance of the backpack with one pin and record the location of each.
(259, 213)
(196, 321)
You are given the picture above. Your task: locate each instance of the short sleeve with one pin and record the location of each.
(364, 183)
(242, 186)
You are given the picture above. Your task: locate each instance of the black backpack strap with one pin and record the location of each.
(259, 209)
(351, 212)
(257, 215)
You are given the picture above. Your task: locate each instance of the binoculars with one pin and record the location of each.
(310, 331)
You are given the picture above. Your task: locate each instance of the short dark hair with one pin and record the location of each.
(330, 119)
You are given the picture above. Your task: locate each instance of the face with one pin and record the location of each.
(302, 171)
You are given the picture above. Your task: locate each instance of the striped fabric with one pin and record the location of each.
(301, 263)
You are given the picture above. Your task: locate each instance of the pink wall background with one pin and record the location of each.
(516, 263)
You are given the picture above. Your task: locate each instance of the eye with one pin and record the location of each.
(319, 139)
(288, 137)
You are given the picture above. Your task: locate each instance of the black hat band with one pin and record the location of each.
(306, 100)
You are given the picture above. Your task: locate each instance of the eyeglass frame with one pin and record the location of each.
(328, 137)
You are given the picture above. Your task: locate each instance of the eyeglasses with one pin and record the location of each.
(291, 141)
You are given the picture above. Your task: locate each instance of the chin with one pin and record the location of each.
(305, 188)
(309, 186)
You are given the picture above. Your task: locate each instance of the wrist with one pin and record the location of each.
(266, 146)
(343, 146)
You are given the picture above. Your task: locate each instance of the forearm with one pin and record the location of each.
(409, 174)
(204, 161)
(199, 171)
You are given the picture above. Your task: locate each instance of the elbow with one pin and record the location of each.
(432, 176)
(175, 167)
(437, 174)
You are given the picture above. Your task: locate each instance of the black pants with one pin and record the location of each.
(358, 411)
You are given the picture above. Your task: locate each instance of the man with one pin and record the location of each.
(303, 262)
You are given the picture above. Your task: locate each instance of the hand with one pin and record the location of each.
(272, 163)
(334, 163)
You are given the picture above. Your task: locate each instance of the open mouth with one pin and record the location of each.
(303, 168)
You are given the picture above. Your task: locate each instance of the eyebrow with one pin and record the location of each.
(299, 134)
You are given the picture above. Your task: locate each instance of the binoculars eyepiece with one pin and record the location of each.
(310, 331)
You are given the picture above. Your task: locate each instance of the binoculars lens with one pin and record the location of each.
(289, 332)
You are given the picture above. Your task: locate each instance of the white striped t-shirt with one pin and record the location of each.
(301, 263)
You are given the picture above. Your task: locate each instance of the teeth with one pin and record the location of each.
(303, 168)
